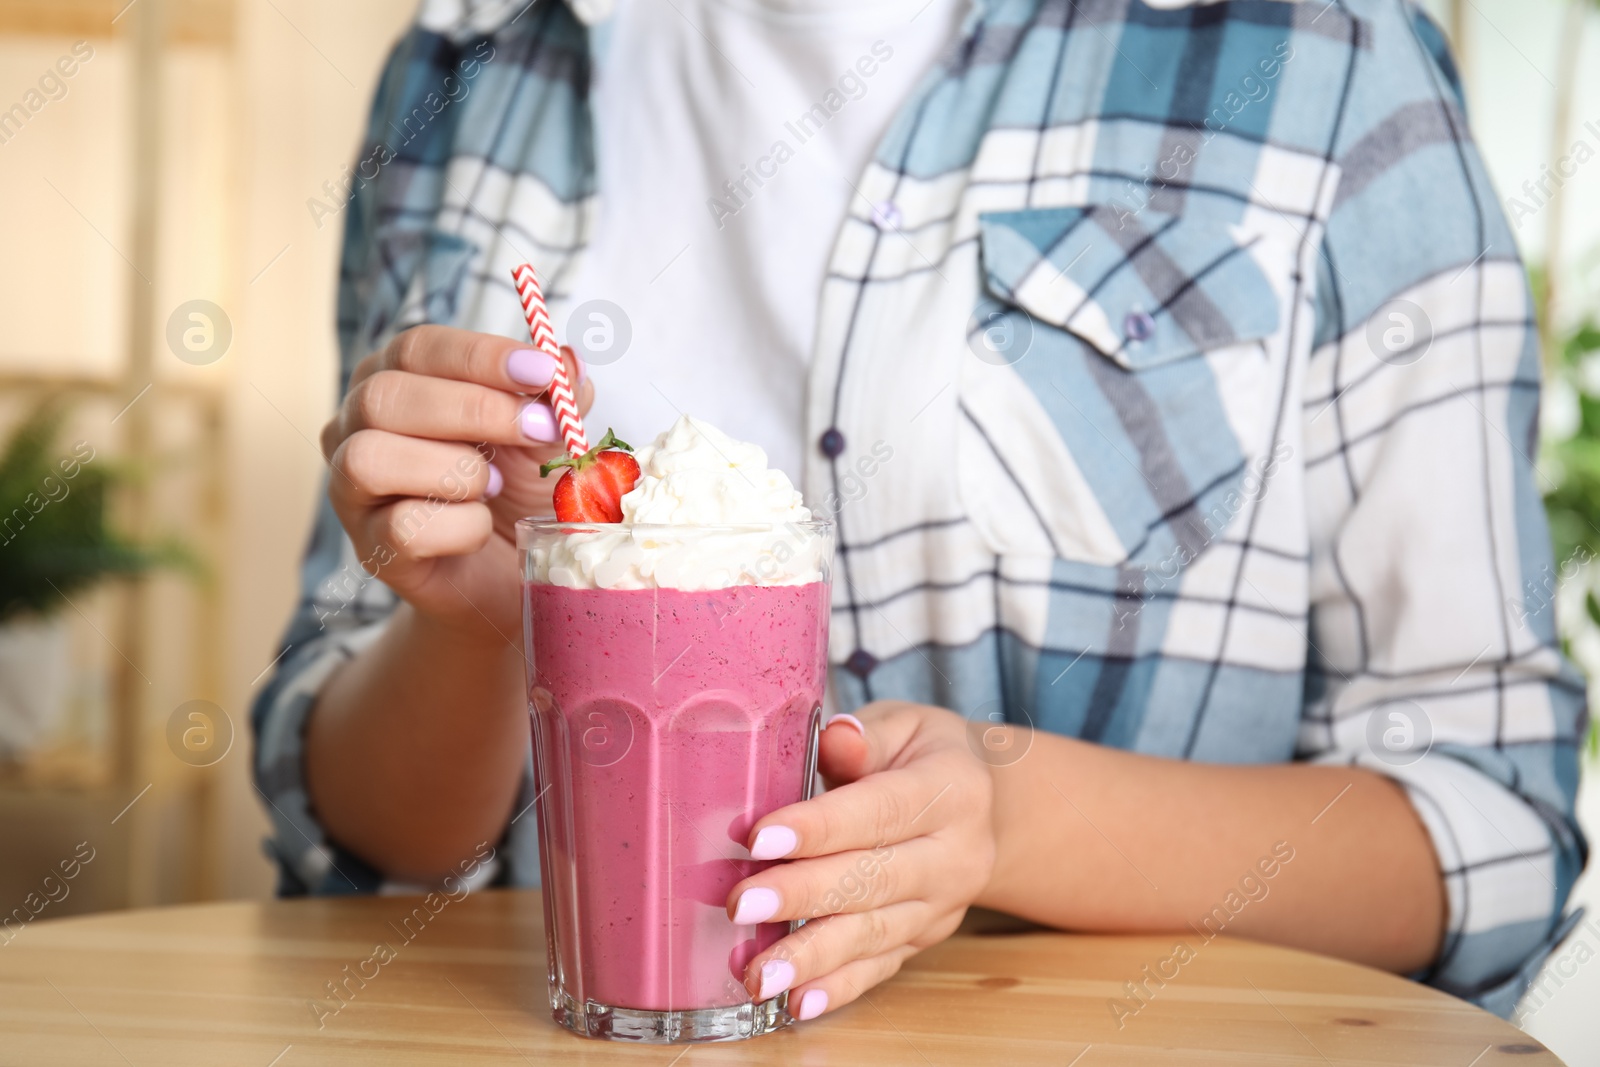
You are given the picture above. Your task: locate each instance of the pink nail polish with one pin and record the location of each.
(538, 422)
(529, 366)
(756, 905)
(773, 843)
(497, 482)
(813, 1004)
(776, 976)
(849, 720)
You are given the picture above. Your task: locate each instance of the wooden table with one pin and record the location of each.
(227, 984)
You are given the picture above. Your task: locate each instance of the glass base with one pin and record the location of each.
(695, 1026)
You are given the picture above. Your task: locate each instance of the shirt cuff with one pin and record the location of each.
(308, 861)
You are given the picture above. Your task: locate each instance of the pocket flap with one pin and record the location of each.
(1144, 289)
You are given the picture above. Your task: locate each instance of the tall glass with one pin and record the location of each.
(675, 681)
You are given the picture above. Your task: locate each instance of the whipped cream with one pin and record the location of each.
(693, 477)
(695, 473)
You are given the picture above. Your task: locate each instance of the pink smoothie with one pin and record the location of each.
(666, 724)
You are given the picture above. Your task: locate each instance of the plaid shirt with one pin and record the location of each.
(1207, 365)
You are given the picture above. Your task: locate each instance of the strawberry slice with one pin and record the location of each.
(595, 482)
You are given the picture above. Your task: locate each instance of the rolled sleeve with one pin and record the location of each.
(396, 271)
(1507, 868)
(342, 610)
(1435, 659)
(1508, 857)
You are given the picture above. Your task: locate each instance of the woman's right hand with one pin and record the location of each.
(435, 454)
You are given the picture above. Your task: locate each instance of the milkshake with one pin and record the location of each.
(676, 669)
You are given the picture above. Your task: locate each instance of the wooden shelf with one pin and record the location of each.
(72, 766)
(104, 385)
(190, 22)
(165, 846)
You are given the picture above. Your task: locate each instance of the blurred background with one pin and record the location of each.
(167, 360)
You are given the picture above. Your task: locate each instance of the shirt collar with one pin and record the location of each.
(461, 18)
(465, 18)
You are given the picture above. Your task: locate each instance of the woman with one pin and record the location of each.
(1168, 371)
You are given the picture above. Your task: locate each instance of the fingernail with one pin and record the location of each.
(773, 843)
(776, 976)
(813, 1004)
(756, 905)
(849, 720)
(529, 366)
(538, 423)
(497, 482)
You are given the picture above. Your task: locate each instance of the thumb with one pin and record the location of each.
(578, 375)
(854, 746)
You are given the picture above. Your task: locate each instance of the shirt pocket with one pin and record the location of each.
(1116, 398)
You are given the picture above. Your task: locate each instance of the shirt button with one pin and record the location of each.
(886, 216)
(832, 444)
(861, 663)
(1138, 326)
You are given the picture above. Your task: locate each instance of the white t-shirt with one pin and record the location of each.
(730, 137)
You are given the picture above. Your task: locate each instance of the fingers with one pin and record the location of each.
(886, 729)
(885, 864)
(847, 882)
(844, 752)
(848, 983)
(453, 385)
(888, 807)
(463, 356)
(823, 946)
(410, 531)
(585, 387)
(410, 450)
(374, 465)
(485, 359)
(440, 409)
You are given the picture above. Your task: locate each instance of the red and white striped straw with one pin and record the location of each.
(562, 399)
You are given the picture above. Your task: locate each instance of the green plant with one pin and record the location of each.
(55, 536)
(1572, 463)
(1570, 469)
(1570, 459)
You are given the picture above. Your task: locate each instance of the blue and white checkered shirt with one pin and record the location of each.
(1211, 380)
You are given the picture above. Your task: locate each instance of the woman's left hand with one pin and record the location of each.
(881, 866)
